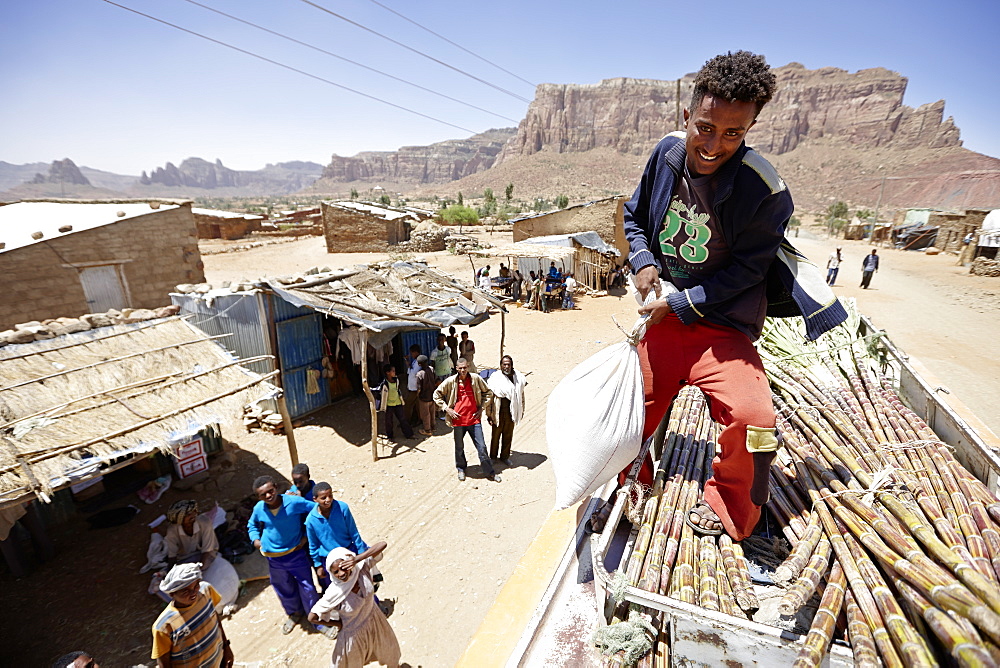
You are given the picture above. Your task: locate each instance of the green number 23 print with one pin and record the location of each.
(693, 250)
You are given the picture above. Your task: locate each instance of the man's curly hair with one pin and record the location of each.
(736, 77)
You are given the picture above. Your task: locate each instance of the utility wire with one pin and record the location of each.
(348, 60)
(289, 67)
(419, 53)
(459, 46)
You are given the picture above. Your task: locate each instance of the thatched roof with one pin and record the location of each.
(389, 296)
(73, 402)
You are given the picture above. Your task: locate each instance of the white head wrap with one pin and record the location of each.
(180, 576)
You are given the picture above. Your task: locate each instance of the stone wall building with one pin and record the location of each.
(604, 216)
(69, 258)
(215, 224)
(357, 227)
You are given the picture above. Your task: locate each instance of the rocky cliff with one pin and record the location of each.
(280, 178)
(437, 163)
(630, 115)
(62, 171)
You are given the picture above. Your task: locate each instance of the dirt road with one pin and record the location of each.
(451, 545)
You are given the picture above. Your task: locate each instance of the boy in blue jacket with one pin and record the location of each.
(277, 528)
(329, 525)
(708, 219)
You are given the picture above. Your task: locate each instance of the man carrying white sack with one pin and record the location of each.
(709, 217)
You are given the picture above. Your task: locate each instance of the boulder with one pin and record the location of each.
(17, 336)
(167, 311)
(96, 320)
(137, 315)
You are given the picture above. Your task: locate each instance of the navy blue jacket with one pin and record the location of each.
(752, 205)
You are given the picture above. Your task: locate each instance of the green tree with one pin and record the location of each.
(489, 202)
(458, 214)
(562, 201)
(508, 193)
(837, 210)
(354, 194)
(385, 200)
(836, 216)
(864, 214)
(461, 200)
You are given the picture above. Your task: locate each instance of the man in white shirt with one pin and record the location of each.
(410, 391)
(833, 266)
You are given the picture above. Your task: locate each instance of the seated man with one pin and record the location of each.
(190, 537)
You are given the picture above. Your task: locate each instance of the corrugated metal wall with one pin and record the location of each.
(425, 338)
(299, 332)
(241, 315)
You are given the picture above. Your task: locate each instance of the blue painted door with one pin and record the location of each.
(300, 348)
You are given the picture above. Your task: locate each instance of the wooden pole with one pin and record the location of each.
(286, 419)
(474, 282)
(503, 330)
(368, 393)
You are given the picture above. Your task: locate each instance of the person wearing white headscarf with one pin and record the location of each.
(349, 604)
(188, 633)
(507, 386)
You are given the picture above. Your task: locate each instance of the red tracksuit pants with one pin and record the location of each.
(724, 364)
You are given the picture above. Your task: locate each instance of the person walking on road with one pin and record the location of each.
(868, 267)
(392, 403)
(426, 384)
(464, 397)
(833, 266)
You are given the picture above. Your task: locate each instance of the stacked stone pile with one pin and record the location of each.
(982, 266)
(37, 330)
(426, 238)
(461, 244)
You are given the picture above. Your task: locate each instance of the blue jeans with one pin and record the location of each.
(831, 275)
(476, 431)
(291, 579)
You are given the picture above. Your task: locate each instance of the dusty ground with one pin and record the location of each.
(451, 544)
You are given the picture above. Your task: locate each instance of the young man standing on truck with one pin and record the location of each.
(708, 218)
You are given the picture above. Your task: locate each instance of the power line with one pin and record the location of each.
(348, 60)
(459, 46)
(289, 67)
(419, 53)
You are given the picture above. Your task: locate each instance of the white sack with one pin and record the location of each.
(594, 421)
(595, 416)
(225, 579)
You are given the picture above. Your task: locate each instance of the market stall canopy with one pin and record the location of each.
(79, 405)
(388, 298)
(591, 240)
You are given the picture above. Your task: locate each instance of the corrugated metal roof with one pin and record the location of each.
(218, 213)
(20, 220)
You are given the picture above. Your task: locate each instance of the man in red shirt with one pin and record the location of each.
(464, 397)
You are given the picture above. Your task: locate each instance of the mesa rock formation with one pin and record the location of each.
(630, 115)
(437, 163)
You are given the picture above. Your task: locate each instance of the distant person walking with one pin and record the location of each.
(833, 266)
(868, 267)
(507, 386)
(464, 397)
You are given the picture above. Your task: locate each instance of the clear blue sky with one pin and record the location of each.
(115, 91)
